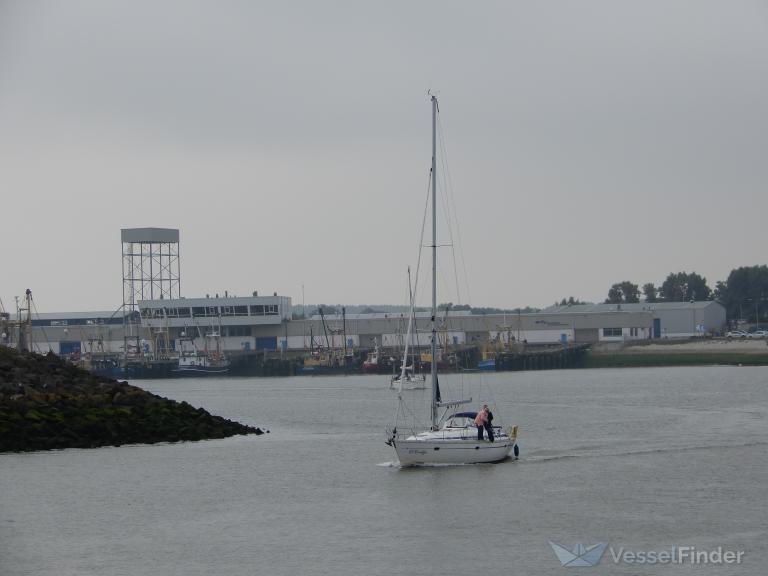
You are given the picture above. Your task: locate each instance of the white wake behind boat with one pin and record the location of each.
(452, 437)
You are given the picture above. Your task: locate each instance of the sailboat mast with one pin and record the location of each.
(404, 365)
(434, 261)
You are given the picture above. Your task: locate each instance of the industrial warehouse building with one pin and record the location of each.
(669, 319)
(155, 316)
(264, 323)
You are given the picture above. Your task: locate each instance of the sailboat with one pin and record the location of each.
(452, 436)
(408, 372)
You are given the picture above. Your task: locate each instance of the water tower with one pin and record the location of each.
(150, 269)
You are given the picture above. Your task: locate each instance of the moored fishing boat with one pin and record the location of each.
(195, 362)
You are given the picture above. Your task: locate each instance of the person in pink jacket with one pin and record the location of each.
(480, 420)
(488, 422)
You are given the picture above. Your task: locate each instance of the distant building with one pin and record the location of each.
(263, 323)
(243, 323)
(669, 319)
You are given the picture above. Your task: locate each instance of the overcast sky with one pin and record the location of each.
(588, 143)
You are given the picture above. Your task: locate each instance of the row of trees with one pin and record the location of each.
(743, 294)
(678, 287)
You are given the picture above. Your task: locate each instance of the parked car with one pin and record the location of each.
(736, 334)
(758, 334)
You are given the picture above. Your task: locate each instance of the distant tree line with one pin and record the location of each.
(570, 301)
(678, 287)
(443, 308)
(483, 310)
(744, 294)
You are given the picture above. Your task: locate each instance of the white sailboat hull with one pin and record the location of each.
(444, 447)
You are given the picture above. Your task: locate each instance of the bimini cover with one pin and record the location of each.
(465, 415)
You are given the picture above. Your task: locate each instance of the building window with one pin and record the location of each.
(241, 310)
(152, 312)
(271, 309)
(257, 310)
(611, 332)
(236, 330)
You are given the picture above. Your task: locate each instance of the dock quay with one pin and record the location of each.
(543, 359)
(263, 336)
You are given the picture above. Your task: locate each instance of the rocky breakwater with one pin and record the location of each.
(46, 404)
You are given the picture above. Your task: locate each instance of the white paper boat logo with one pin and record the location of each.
(579, 555)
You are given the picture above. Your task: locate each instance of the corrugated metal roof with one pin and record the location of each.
(73, 315)
(638, 307)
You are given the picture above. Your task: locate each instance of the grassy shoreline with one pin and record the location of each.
(622, 359)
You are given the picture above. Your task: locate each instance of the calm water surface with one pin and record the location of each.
(640, 458)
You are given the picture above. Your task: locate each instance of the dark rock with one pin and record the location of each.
(48, 404)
